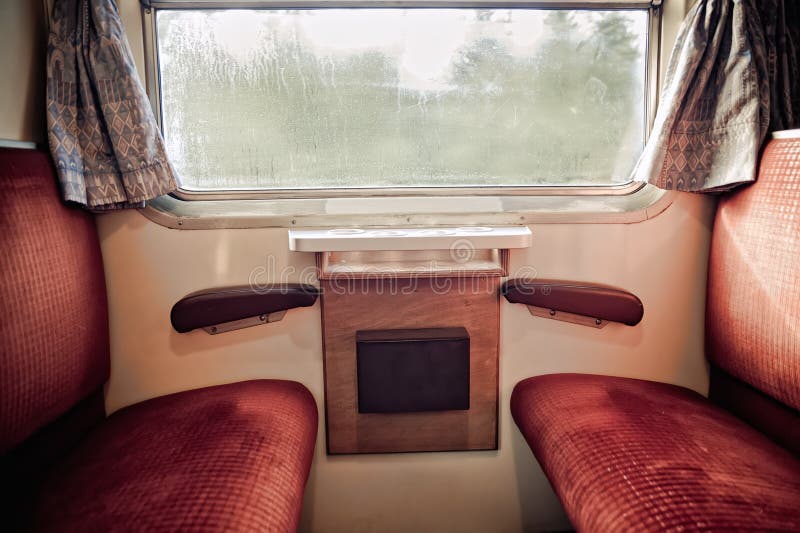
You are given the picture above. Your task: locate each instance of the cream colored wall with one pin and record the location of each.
(22, 62)
(672, 15)
(663, 260)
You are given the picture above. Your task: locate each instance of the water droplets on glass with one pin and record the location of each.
(402, 97)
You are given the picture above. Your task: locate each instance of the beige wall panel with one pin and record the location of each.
(662, 260)
(22, 62)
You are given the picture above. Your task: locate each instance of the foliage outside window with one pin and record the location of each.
(332, 98)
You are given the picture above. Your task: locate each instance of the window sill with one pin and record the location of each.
(376, 240)
(642, 204)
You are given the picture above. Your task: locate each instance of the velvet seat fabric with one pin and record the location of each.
(631, 455)
(754, 278)
(625, 454)
(54, 327)
(227, 458)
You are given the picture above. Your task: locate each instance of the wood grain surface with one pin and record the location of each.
(352, 305)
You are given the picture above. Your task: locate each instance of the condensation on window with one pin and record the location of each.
(322, 98)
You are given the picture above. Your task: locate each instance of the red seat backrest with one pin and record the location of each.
(753, 311)
(53, 310)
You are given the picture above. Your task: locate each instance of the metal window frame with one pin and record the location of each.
(652, 63)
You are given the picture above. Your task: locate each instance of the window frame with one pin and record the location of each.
(652, 64)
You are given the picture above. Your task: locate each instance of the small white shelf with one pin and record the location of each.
(388, 239)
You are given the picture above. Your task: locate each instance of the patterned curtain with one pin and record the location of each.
(732, 77)
(103, 136)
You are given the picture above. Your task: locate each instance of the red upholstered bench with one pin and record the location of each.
(230, 457)
(625, 454)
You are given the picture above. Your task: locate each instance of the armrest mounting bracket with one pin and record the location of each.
(563, 316)
(244, 323)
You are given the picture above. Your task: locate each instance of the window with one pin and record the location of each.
(396, 98)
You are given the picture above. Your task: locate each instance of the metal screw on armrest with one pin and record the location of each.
(597, 321)
(262, 318)
(552, 312)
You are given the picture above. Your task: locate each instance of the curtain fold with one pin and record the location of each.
(104, 139)
(732, 77)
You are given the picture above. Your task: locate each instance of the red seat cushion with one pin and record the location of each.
(754, 278)
(232, 457)
(624, 454)
(54, 327)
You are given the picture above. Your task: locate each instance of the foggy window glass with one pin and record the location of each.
(321, 98)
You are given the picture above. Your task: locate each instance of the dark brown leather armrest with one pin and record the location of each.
(218, 306)
(586, 299)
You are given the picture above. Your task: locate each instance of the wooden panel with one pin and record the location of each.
(353, 305)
